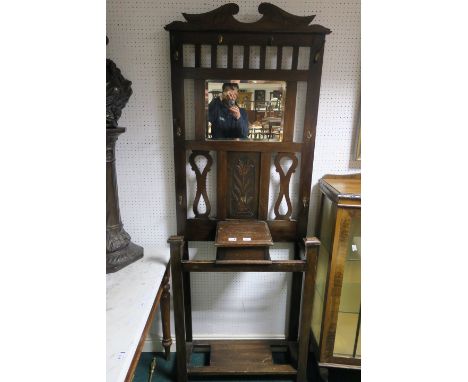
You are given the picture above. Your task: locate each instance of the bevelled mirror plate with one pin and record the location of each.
(245, 109)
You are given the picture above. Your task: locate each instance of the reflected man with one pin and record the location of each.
(227, 119)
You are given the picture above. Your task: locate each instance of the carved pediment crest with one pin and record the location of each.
(273, 19)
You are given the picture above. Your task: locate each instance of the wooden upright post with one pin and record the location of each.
(311, 252)
(177, 249)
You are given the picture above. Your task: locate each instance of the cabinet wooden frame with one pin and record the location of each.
(344, 208)
(219, 28)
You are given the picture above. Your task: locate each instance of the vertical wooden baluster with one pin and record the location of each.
(279, 57)
(289, 111)
(214, 57)
(262, 56)
(246, 57)
(200, 115)
(177, 248)
(187, 297)
(229, 57)
(197, 56)
(295, 57)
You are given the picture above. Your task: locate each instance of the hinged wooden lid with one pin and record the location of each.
(345, 190)
(242, 233)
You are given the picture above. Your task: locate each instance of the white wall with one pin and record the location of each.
(224, 305)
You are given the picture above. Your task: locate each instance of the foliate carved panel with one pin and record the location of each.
(244, 176)
(201, 182)
(285, 179)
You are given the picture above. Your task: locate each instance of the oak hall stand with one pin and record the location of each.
(243, 179)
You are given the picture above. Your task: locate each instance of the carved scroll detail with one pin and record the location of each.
(244, 187)
(273, 19)
(284, 184)
(201, 182)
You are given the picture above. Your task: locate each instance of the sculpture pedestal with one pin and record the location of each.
(120, 251)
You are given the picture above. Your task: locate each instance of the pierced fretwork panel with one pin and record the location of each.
(285, 179)
(238, 57)
(271, 57)
(274, 187)
(286, 57)
(201, 162)
(221, 56)
(205, 56)
(303, 58)
(243, 180)
(245, 57)
(188, 56)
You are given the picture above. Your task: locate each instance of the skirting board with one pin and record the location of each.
(154, 344)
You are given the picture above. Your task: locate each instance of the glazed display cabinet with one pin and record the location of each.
(336, 317)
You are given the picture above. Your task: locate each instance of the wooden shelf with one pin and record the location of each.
(242, 357)
(213, 266)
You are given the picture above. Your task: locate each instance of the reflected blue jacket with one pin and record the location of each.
(224, 124)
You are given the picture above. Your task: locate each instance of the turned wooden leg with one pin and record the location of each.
(166, 314)
(177, 249)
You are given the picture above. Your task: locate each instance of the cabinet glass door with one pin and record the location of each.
(347, 338)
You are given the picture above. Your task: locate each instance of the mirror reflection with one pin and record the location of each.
(245, 109)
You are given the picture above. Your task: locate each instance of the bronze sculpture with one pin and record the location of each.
(120, 251)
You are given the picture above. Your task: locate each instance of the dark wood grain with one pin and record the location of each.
(248, 40)
(177, 248)
(197, 56)
(275, 28)
(229, 56)
(279, 58)
(242, 74)
(214, 57)
(212, 266)
(187, 296)
(257, 231)
(243, 145)
(200, 112)
(264, 191)
(310, 129)
(246, 57)
(166, 313)
(289, 111)
(295, 299)
(295, 57)
(344, 190)
(222, 181)
(273, 19)
(242, 358)
(243, 185)
(262, 56)
(205, 229)
(312, 247)
(178, 108)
